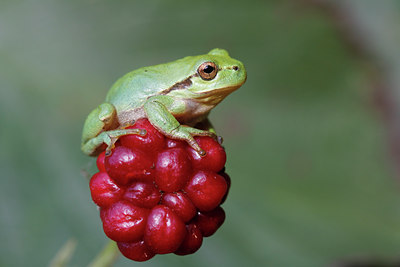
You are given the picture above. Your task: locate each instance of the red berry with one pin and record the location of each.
(209, 222)
(180, 204)
(173, 169)
(126, 164)
(104, 190)
(173, 143)
(157, 195)
(228, 183)
(215, 158)
(124, 222)
(165, 231)
(152, 142)
(206, 190)
(100, 161)
(141, 194)
(137, 251)
(192, 241)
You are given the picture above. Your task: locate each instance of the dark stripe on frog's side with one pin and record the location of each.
(188, 82)
(180, 85)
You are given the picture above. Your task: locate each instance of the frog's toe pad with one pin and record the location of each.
(220, 140)
(142, 132)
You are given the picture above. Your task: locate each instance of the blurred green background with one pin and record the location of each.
(313, 177)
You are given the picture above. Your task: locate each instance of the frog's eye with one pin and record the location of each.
(207, 70)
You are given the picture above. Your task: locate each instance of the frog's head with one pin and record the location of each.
(209, 78)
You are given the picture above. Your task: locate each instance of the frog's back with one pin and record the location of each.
(134, 88)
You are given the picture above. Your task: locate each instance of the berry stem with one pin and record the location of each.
(107, 256)
(64, 254)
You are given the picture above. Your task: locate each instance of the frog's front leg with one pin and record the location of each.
(101, 128)
(160, 111)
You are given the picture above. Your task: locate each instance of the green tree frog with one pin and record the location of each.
(175, 97)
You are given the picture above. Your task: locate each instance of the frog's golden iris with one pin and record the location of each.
(207, 70)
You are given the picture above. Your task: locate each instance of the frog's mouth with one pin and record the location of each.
(213, 97)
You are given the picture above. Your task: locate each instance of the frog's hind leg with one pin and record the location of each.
(102, 127)
(110, 137)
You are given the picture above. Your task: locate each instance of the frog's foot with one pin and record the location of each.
(92, 146)
(110, 137)
(127, 124)
(187, 133)
(211, 134)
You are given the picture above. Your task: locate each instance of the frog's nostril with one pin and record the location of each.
(236, 68)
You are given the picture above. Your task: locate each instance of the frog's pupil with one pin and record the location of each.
(208, 69)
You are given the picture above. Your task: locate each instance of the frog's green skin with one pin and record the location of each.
(173, 97)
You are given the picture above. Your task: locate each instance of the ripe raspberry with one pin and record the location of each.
(157, 195)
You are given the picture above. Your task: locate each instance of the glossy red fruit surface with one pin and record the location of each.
(173, 169)
(100, 161)
(137, 251)
(124, 222)
(209, 222)
(142, 194)
(125, 164)
(165, 231)
(172, 143)
(152, 142)
(104, 190)
(206, 190)
(157, 195)
(228, 183)
(180, 203)
(192, 241)
(215, 158)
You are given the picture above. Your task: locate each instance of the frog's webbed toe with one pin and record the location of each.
(188, 133)
(111, 137)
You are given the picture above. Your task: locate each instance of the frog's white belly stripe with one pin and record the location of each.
(129, 116)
